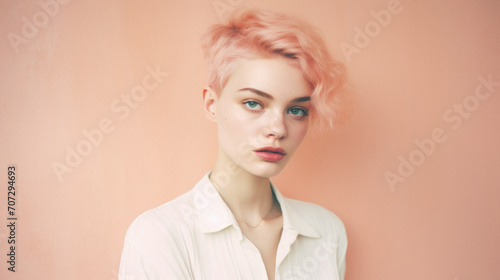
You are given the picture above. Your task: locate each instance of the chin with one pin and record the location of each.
(266, 169)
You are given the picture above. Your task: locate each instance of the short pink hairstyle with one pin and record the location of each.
(257, 33)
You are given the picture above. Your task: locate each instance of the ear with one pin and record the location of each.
(209, 104)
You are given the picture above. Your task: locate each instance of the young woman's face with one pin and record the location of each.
(262, 115)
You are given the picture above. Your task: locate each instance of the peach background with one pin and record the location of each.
(441, 223)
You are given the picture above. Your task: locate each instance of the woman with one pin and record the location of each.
(269, 76)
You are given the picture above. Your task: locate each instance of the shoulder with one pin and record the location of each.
(319, 217)
(167, 220)
(155, 242)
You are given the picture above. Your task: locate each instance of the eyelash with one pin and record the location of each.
(246, 102)
(305, 113)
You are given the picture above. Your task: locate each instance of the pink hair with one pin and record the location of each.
(257, 33)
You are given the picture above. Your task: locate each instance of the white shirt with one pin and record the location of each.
(196, 236)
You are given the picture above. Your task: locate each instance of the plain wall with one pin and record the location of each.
(438, 216)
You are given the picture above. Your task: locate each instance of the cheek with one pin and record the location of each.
(234, 126)
(297, 133)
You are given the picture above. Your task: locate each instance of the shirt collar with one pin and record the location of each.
(214, 215)
(292, 218)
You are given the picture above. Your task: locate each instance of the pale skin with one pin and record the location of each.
(264, 103)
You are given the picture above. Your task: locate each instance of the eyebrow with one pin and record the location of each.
(268, 96)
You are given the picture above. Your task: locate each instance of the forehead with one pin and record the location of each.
(275, 76)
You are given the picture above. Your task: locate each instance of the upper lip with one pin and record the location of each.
(271, 149)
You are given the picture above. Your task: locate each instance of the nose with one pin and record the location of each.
(275, 127)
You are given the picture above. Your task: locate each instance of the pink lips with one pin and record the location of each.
(271, 153)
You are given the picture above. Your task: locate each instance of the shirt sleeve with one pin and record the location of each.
(341, 250)
(132, 264)
(154, 251)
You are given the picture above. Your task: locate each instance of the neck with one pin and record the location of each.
(248, 196)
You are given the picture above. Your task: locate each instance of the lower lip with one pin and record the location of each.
(270, 156)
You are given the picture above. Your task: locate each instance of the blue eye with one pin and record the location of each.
(299, 112)
(252, 104)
